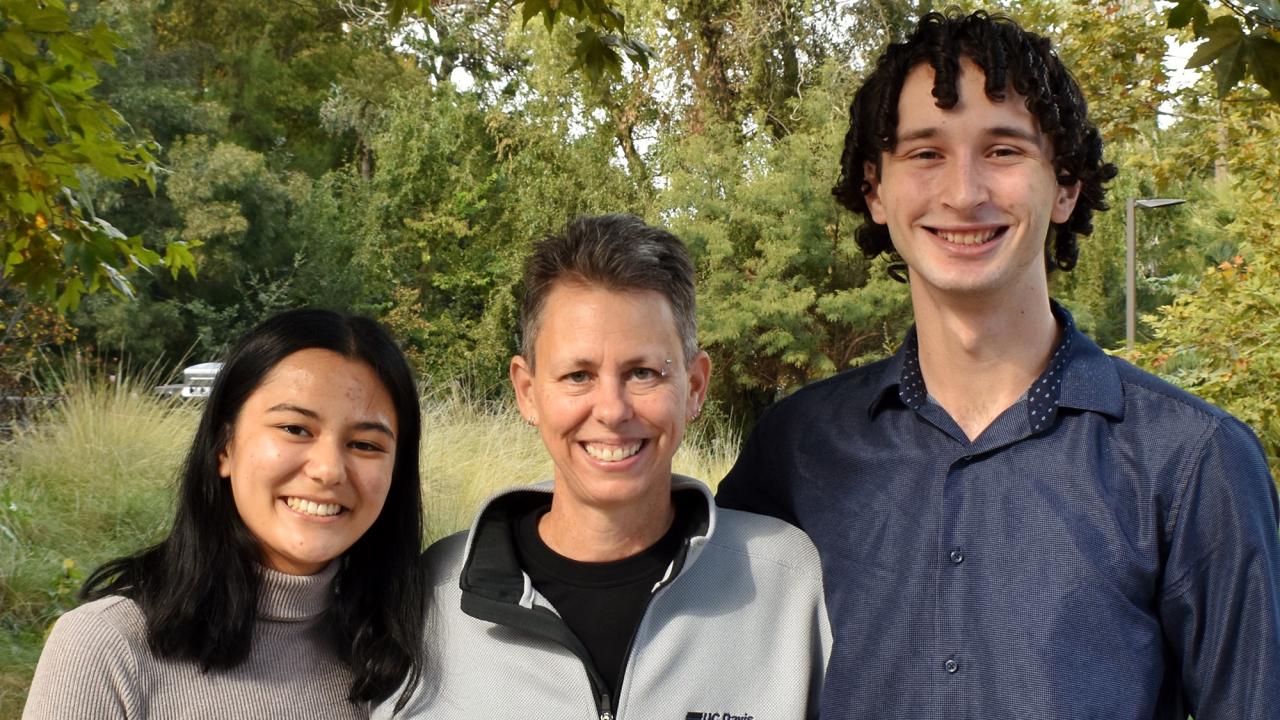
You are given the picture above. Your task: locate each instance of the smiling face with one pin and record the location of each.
(610, 393)
(968, 192)
(310, 458)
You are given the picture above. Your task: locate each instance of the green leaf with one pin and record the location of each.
(178, 257)
(104, 43)
(596, 55)
(47, 20)
(637, 51)
(19, 41)
(612, 19)
(399, 8)
(108, 230)
(1264, 63)
(118, 281)
(572, 8)
(1180, 16)
(26, 203)
(1222, 34)
(529, 9)
(1229, 70)
(69, 298)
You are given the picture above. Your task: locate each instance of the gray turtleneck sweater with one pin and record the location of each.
(96, 664)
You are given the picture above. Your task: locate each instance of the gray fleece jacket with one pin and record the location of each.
(737, 630)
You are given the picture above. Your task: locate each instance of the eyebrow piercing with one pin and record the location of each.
(666, 367)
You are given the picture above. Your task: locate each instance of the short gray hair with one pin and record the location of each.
(617, 252)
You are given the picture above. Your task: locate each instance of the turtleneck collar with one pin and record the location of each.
(293, 598)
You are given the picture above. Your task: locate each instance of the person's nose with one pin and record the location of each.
(965, 186)
(326, 462)
(612, 402)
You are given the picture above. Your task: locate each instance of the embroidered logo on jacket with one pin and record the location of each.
(691, 715)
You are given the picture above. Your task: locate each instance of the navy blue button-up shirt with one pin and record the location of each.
(1107, 548)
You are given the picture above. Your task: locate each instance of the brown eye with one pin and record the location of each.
(366, 446)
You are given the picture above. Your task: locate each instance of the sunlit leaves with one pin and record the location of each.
(397, 9)
(600, 29)
(52, 130)
(1218, 338)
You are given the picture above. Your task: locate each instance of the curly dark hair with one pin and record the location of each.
(1009, 57)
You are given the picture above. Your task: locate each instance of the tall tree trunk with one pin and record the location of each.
(1220, 169)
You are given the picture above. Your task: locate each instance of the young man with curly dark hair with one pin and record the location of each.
(1012, 524)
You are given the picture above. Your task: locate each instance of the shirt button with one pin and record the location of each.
(957, 557)
(952, 666)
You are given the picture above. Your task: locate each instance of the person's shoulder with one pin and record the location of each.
(852, 389)
(91, 659)
(765, 539)
(1172, 407)
(1142, 386)
(112, 620)
(1169, 415)
(442, 562)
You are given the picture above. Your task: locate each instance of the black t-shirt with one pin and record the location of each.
(602, 602)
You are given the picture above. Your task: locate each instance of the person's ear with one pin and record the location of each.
(224, 457)
(1064, 202)
(522, 383)
(871, 176)
(699, 383)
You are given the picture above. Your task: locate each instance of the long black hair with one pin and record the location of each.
(198, 588)
(1009, 56)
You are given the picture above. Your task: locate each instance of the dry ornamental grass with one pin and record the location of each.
(93, 477)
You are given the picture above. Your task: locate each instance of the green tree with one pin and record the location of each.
(785, 295)
(1217, 338)
(236, 97)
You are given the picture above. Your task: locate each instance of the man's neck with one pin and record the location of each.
(979, 355)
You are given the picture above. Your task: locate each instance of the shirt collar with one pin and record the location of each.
(1080, 376)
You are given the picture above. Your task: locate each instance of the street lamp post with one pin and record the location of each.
(1130, 260)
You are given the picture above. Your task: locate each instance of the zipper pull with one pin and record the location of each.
(605, 709)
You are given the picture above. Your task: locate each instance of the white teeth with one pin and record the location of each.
(308, 507)
(612, 453)
(966, 238)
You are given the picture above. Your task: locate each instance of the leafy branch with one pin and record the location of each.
(1242, 43)
(52, 130)
(602, 39)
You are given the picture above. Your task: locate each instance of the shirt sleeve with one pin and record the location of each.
(822, 650)
(754, 484)
(86, 672)
(1220, 600)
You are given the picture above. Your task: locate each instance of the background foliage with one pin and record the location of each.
(398, 158)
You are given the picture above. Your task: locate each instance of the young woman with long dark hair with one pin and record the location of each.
(286, 587)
